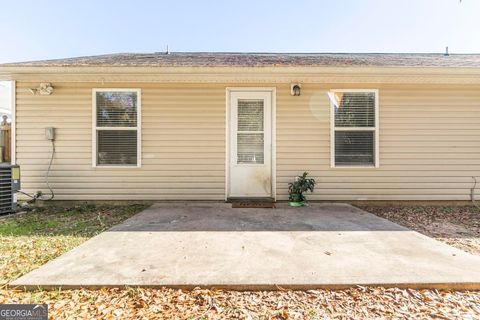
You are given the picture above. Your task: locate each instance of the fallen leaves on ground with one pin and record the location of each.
(458, 226)
(19, 255)
(355, 303)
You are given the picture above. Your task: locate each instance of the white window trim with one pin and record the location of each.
(138, 128)
(376, 130)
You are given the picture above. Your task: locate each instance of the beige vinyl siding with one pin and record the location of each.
(429, 143)
(183, 144)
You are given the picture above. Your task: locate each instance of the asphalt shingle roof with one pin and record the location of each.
(206, 59)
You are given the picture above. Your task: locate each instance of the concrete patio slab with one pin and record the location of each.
(212, 245)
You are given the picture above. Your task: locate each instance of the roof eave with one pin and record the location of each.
(274, 74)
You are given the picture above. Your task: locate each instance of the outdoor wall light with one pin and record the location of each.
(45, 88)
(295, 89)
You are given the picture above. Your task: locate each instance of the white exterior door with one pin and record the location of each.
(250, 140)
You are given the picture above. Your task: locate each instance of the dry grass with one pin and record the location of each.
(31, 239)
(32, 242)
(19, 255)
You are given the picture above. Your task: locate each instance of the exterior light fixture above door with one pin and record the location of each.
(295, 89)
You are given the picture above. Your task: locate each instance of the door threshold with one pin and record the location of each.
(253, 199)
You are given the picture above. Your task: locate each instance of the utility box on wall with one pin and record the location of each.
(50, 133)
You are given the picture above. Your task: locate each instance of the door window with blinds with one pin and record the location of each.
(116, 127)
(250, 131)
(354, 128)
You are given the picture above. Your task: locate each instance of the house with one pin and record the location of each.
(213, 126)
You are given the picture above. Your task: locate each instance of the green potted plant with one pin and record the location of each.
(296, 189)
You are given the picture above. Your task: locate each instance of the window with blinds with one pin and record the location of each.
(355, 128)
(250, 134)
(117, 127)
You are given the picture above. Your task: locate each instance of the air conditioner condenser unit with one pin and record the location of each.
(9, 185)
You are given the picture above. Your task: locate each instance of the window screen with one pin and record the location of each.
(354, 128)
(116, 128)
